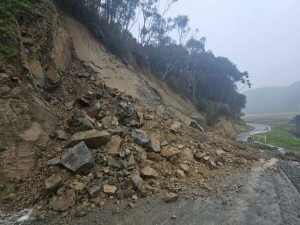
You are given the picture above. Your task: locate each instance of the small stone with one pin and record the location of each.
(70, 105)
(54, 162)
(135, 197)
(109, 189)
(199, 155)
(53, 183)
(112, 162)
(164, 143)
(114, 144)
(180, 146)
(149, 116)
(61, 135)
(137, 181)
(187, 152)
(110, 121)
(149, 172)
(94, 192)
(170, 151)
(176, 126)
(78, 186)
(180, 173)
(140, 136)
(174, 217)
(184, 167)
(171, 197)
(155, 146)
(132, 205)
(64, 202)
(131, 162)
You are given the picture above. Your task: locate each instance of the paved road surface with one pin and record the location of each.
(258, 129)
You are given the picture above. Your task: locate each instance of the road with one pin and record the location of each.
(259, 196)
(258, 129)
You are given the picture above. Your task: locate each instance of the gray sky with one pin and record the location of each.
(260, 36)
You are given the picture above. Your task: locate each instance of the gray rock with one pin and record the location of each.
(61, 135)
(112, 162)
(53, 183)
(92, 138)
(54, 162)
(155, 146)
(171, 197)
(80, 124)
(149, 172)
(94, 192)
(131, 163)
(70, 105)
(78, 159)
(176, 126)
(137, 181)
(140, 136)
(77, 114)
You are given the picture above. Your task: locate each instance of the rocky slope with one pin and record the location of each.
(79, 129)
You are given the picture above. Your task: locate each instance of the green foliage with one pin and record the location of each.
(10, 12)
(2, 149)
(2, 186)
(281, 138)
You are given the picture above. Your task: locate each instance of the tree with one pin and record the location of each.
(183, 29)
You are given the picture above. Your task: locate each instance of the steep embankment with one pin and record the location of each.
(79, 128)
(273, 99)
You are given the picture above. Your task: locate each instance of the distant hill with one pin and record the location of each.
(273, 99)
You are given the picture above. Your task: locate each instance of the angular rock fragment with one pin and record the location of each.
(109, 189)
(140, 136)
(149, 172)
(175, 127)
(171, 197)
(170, 151)
(64, 202)
(113, 145)
(94, 192)
(155, 146)
(137, 181)
(110, 121)
(131, 163)
(78, 159)
(61, 135)
(92, 138)
(53, 183)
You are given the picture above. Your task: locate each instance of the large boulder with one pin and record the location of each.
(78, 159)
(92, 138)
(140, 136)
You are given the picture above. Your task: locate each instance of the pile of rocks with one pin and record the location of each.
(109, 146)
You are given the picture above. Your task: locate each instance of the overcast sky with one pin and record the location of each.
(260, 36)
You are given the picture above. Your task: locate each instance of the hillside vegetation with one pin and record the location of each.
(273, 99)
(210, 82)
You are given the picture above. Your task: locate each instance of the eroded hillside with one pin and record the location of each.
(80, 129)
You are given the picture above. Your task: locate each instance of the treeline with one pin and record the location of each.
(210, 82)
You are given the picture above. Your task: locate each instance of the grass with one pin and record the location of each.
(280, 138)
(2, 186)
